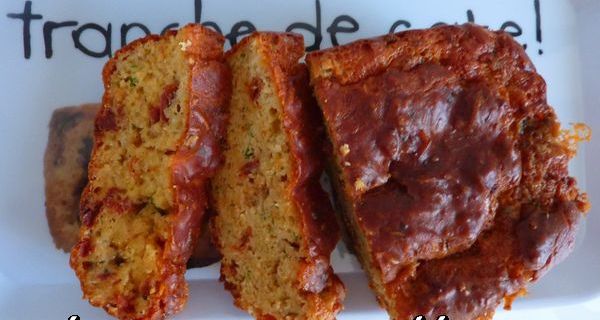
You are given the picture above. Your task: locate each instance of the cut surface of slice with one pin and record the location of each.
(450, 166)
(274, 224)
(70, 142)
(156, 144)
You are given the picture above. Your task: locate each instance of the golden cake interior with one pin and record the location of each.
(138, 131)
(149, 88)
(259, 232)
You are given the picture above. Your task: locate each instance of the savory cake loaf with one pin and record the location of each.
(70, 141)
(450, 166)
(274, 226)
(156, 143)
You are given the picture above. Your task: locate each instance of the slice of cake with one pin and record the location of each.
(156, 143)
(274, 225)
(450, 166)
(70, 141)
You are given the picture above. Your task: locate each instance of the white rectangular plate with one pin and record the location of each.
(39, 74)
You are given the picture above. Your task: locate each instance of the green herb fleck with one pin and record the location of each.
(246, 275)
(133, 81)
(248, 153)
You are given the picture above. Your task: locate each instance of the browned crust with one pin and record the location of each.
(543, 210)
(65, 176)
(305, 134)
(360, 59)
(192, 165)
